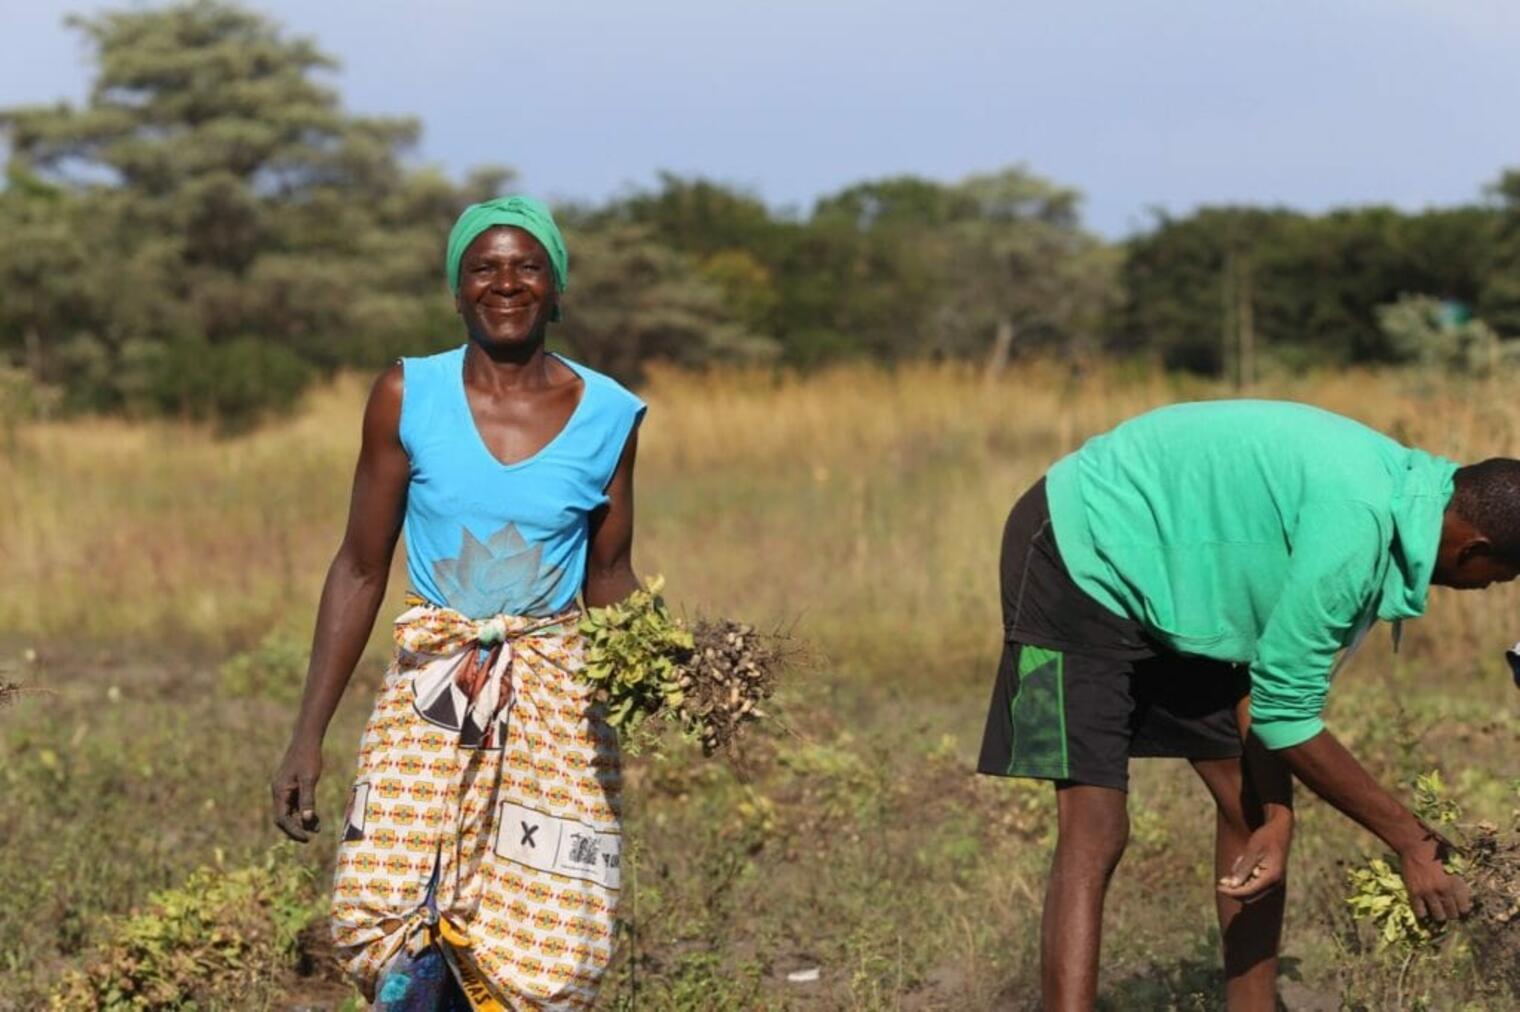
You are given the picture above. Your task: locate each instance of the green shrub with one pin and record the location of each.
(1426, 331)
(274, 670)
(233, 383)
(219, 939)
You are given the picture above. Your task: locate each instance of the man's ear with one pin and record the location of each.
(1473, 547)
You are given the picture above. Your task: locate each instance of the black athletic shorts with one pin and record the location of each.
(1080, 689)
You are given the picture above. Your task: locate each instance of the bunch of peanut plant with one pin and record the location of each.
(706, 678)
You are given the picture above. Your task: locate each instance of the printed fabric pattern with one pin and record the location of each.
(486, 815)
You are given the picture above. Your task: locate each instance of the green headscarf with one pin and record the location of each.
(530, 215)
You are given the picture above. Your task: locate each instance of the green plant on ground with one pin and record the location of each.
(218, 939)
(692, 982)
(274, 669)
(1378, 896)
(1487, 858)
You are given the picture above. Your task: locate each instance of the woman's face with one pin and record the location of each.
(506, 287)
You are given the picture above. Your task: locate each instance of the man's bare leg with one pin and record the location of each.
(1251, 931)
(1094, 827)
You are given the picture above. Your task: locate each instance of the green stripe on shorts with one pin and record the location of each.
(1038, 715)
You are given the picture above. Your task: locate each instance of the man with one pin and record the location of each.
(1180, 586)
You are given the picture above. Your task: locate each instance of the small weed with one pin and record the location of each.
(694, 981)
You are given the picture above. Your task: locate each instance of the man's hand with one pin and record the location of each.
(294, 788)
(1433, 892)
(1330, 771)
(1263, 865)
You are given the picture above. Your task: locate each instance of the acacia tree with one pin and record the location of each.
(889, 269)
(723, 238)
(1310, 285)
(969, 269)
(876, 254)
(231, 230)
(1023, 269)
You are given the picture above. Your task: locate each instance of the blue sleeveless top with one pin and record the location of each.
(488, 538)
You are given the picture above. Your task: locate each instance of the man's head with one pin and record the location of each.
(1480, 533)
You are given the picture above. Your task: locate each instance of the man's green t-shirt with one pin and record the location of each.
(1259, 532)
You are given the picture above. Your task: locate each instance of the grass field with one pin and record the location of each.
(862, 507)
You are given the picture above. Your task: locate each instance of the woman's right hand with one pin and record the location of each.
(294, 788)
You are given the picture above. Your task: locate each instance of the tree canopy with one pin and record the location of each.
(210, 230)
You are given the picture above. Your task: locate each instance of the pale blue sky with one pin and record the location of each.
(1168, 103)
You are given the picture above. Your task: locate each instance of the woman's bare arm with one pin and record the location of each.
(609, 565)
(351, 598)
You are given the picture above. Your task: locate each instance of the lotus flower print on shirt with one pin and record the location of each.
(504, 573)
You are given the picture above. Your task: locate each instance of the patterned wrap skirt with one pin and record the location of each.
(485, 820)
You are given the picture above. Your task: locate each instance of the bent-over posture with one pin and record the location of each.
(1181, 586)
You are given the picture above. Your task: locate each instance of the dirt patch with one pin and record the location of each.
(1495, 880)
(315, 983)
(1296, 996)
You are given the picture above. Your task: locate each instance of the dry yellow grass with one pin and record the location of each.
(863, 502)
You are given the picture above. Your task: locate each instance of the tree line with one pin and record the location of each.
(210, 231)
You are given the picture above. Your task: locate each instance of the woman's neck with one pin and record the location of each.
(518, 366)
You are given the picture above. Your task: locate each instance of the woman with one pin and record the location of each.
(478, 863)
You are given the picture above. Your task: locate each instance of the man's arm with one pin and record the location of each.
(1265, 770)
(1263, 863)
(1324, 765)
(1329, 592)
(1337, 548)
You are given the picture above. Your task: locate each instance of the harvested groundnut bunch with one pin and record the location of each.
(707, 678)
